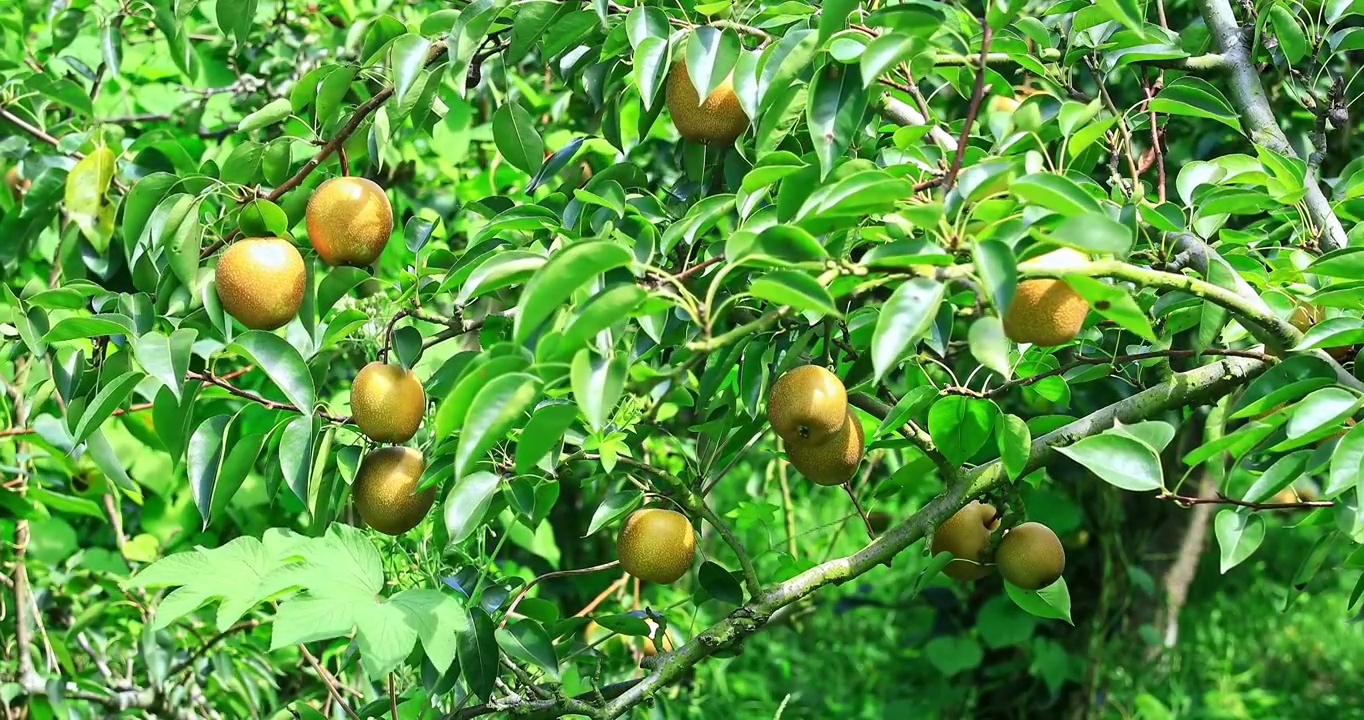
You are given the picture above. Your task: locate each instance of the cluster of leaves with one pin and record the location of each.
(598, 309)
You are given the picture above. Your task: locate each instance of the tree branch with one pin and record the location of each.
(558, 573)
(1220, 499)
(1248, 95)
(343, 133)
(909, 431)
(212, 379)
(977, 93)
(1196, 386)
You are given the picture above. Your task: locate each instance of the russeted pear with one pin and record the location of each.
(966, 535)
(387, 402)
(833, 461)
(1046, 311)
(385, 489)
(656, 544)
(807, 405)
(349, 221)
(260, 282)
(720, 119)
(1030, 556)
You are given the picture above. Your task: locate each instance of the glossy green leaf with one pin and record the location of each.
(495, 410)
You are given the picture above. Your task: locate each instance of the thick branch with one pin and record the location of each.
(1196, 386)
(1248, 95)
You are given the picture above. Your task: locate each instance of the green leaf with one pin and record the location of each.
(1335, 332)
(1324, 409)
(452, 411)
(1057, 193)
(1194, 97)
(86, 204)
(911, 404)
(203, 459)
(275, 111)
(719, 583)
(1119, 460)
(166, 358)
(904, 318)
(567, 270)
(838, 102)
(142, 201)
(1126, 12)
(499, 270)
(796, 289)
(296, 446)
(1239, 534)
(1292, 378)
(495, 410)
(335, 285)
(467, 35)
(1052, 601)
(616, 505)
(597, 385)
(235, 17)
(437, 618)
(406, 59)
(1114, 303)
(1347, 464)
(885, 52)
(960, 426)
(543, 433)
(104, 324)
(281, 363)
(998, 270)
(262, 218)
(1015, 443)
(989, 346)
(650, 66)
(711, 54)
(517, 139)
(478, 652)
(1279, 476)
(1292, 41)
(954, 654)
(602, 311)
(105, 402)
(527, 641)
(1091, 232)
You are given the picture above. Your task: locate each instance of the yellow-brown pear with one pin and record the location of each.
(833, 461)
(385, 490)
(1046, 311)
(349, 221)
(656, 544)
(1030, 556)
(720, 119)
(807, 405)
(387, 402)
(966, 535)
(260, 282)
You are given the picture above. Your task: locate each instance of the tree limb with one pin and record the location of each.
(1248, 95)
(1193, 387)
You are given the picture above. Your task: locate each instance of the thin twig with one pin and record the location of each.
(788, 508)
(1003, 389)
(556, 574)
(1220, 499)
(392, 698)
(212, 379)
(977, 93)
(601, 596)
(329, 680)
(188, 662)
(871, 532)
